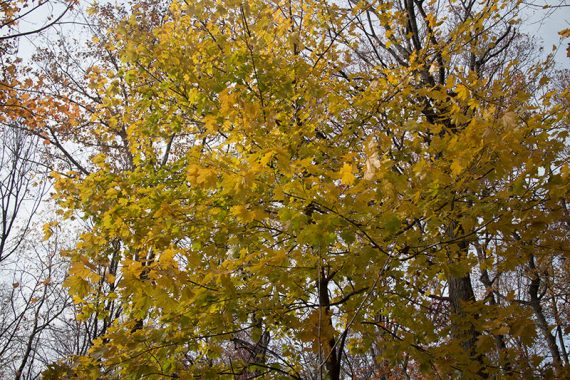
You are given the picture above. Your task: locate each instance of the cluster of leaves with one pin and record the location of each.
(308, 189)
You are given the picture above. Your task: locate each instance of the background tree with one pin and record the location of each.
(35, 308)
(34, 305)
(21, 189)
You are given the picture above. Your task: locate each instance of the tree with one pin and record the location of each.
(15, 99)
(310, 182)
(33, 305)
(15, 13)
(22, 186)
(20, 191)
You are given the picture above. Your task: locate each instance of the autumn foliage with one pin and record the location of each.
(311, 189)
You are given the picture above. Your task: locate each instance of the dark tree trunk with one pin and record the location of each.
(460, 295)
(533, 292)
(499, 339)
(332, 351)
(461, 292)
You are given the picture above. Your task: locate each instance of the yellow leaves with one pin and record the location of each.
(175, 9)
(132, 269)
(227, 101)
(99, 160)
(262, 187)
(80, 280)
(110, 278)
(391, 223)
(564, 33)
(48, 229)
(199, 175)
(456, 167)
(92, 10)
(485, 343)
(246, 213)
(431, 20)
(450, 82)
(242, 213)
(112, 192)
(473, 103)
(509, 119)
(266, 158)
(212, 123)
(463, 92)
(392, 79)
(345, 174)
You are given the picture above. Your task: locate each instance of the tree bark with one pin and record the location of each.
(460, 294)
(542, 324)
(499, 339)
(332, 354)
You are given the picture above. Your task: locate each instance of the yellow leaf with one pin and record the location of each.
(564, 33)
(462, 92)
(242, 213)
(509, 119)
(431, 20)
(266, 158)
(345, 174)
(456, 168)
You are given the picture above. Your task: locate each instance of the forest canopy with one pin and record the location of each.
(300, 189)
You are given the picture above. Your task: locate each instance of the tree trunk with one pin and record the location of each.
(539, 314)
(460, 294)
(332, 354)
(499, 339)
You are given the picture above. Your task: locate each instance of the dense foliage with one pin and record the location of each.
(309, 189)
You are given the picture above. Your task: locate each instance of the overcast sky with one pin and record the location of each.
(544, 25)
(541, 23)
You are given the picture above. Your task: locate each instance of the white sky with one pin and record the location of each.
(544, 25)
(541, 23)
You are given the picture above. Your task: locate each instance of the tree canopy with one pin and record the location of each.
(311, 189)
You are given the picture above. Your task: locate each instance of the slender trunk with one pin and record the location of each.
(559, 331)
(499, 339)
(539, 314)
(332, 355)
(545, 329)
(139, 322)
(562, 344)
(31, 338)
(461, 294)
(258, 350)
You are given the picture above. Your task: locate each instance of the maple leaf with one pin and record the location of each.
(345, 174)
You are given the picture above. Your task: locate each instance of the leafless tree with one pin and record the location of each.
(32, 305)
(22, 188)
(52, 11)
